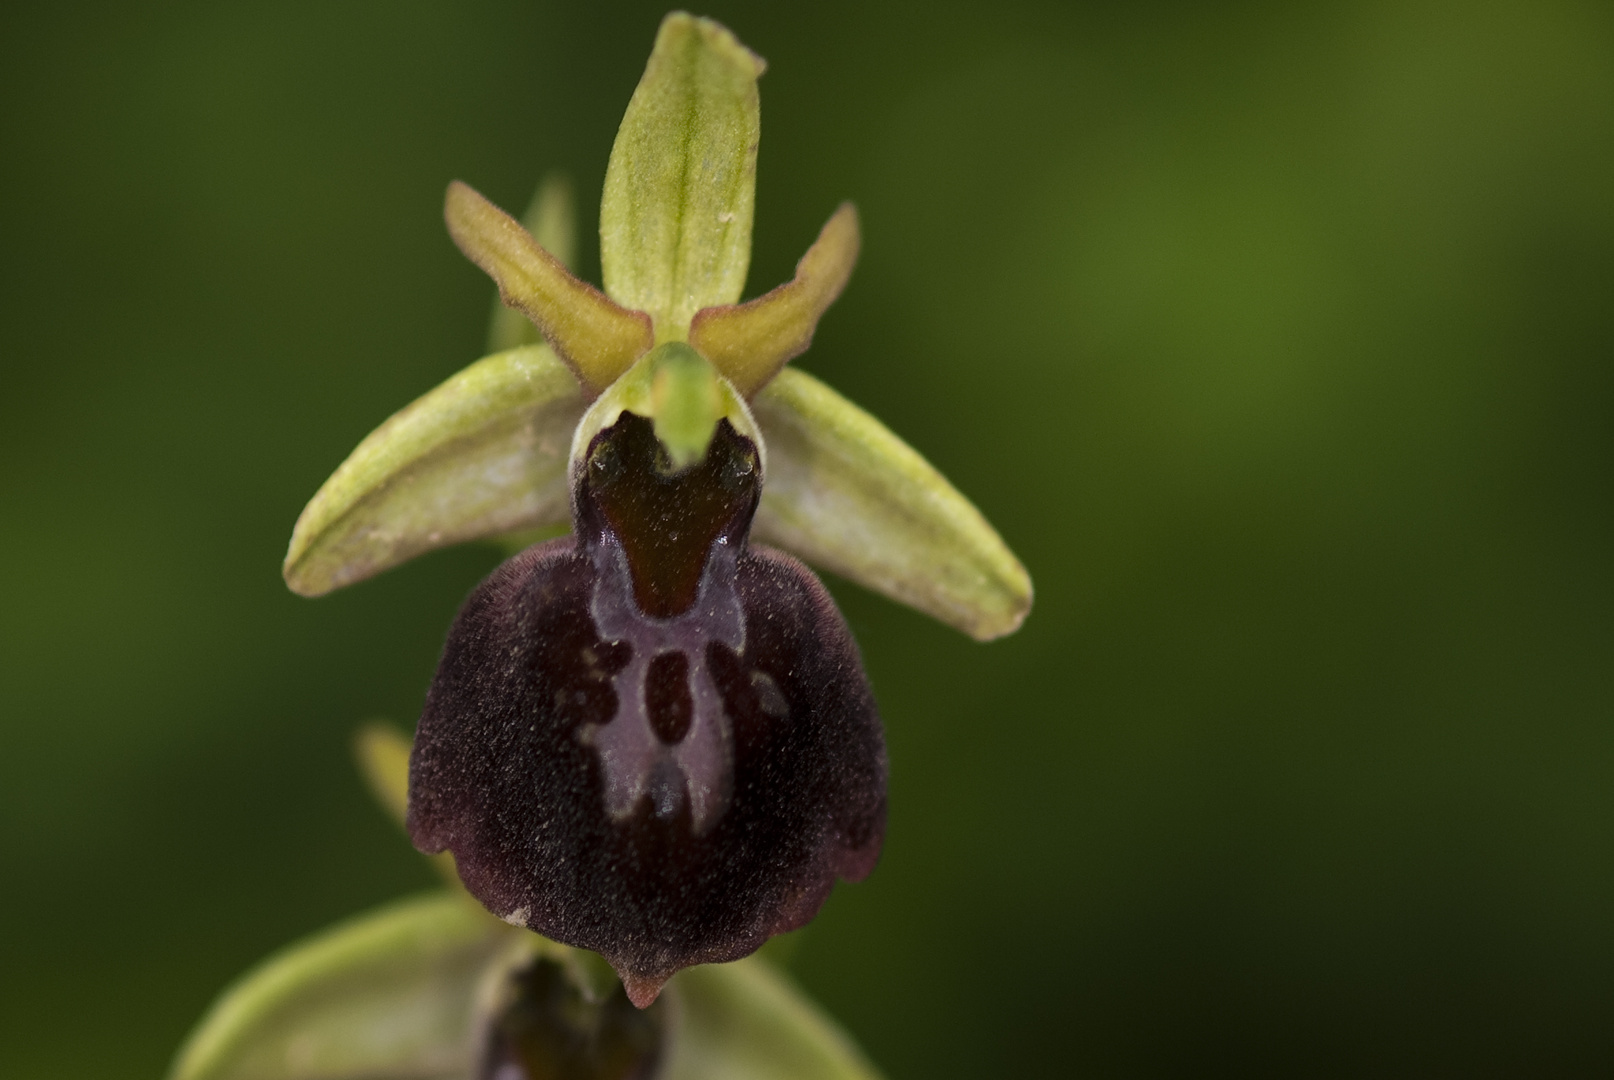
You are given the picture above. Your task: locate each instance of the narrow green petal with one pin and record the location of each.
(750, 342)
(599, 339)
(850, 497)
(392, 994)
(745, 1021)
(551, 218)
(484, 453)
(675, 220)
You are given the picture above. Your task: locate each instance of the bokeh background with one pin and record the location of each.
(1277, 339)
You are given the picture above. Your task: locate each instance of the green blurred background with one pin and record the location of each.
(1276, 340)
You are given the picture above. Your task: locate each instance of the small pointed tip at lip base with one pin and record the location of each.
(642, 990)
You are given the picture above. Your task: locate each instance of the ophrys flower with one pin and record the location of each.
(651, 737)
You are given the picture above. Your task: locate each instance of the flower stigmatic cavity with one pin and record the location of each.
(652, 737)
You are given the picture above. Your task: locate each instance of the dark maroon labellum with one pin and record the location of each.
(651, 739)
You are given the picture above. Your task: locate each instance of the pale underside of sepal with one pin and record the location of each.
(406, 993)
(483, 454)
(848, 496)
(750, 342)
(675, 217)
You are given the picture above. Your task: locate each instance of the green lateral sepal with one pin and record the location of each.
(481, 455)
(850, 497)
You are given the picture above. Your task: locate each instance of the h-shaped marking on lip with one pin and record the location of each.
(631, 754)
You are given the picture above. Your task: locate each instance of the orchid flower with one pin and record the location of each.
(652, 737)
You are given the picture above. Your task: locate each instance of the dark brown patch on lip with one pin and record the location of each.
(667, 697)
(668, 521)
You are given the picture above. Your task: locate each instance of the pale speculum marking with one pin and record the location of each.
(698, 768)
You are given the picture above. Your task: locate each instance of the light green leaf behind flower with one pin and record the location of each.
(391, 995)
(746, 1021)
(675, 219)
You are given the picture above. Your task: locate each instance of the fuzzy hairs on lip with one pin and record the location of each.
(652, 739)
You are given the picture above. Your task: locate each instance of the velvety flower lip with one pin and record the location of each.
(664, 789)
(652, 737)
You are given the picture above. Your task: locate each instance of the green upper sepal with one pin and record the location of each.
(435, 987)
(680, 189)
(848, 496)
(483, 454)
